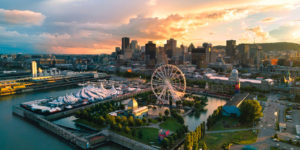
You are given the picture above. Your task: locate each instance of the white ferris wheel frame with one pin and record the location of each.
(168, 81)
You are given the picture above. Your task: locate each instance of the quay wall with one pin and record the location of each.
(126, 142)
(51, 127)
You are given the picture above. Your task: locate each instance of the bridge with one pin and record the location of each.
(237, 99)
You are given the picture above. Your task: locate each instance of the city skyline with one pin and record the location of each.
(89, 27)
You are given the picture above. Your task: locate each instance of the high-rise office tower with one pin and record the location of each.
(125, 43)
(134, 45)
(208, 51)
(34, 68)
(170, 47)
(231, 48)
(150, 54)
(244, 54)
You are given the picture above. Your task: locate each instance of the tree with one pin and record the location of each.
(124, 120)
(195, 145)
(167, 112)
(119, 127)
(118, 119)
(138, 122)
(204, 146)
(251, 111)
(127, 129)
(165, 142)
(131, 121)
(101, 119)
(145, 120)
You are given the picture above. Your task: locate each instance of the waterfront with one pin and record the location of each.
(192, 121)
(17, 133)
(29, 136)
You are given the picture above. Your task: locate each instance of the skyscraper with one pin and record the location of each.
(170, 47)
(201, 56)
(125, 43)
(208, 51)
(231, 48)
(134, 45)
(150, 54)
(244, 54)
(34, 68)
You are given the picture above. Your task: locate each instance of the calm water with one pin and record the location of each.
(193, 121)
(16, 134)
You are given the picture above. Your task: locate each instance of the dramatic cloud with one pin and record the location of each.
(96, 26)
(20, 17)
(268, 20)
(259, 33)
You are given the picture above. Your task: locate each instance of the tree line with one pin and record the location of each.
(192, 139)
(214, 117)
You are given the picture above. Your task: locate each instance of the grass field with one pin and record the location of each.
(89, 124)
(227, 123)
(149, 136)
(216, 140)
(171, 124)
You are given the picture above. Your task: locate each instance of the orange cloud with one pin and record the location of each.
(21, 17)
(268, 19)
(259, 32)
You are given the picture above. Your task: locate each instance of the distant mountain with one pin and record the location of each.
(272, 46)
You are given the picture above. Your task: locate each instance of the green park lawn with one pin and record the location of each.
(148, 135)
(216, 140)
(89, 124)
(171, 124)
(228, 123)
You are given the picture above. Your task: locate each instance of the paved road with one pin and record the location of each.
(233, 130)
(267, 127)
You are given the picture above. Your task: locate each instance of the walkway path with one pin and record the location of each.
(267, 127)
(232, 130)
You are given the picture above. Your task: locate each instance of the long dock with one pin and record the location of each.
(44, 121)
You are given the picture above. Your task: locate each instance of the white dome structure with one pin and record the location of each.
(234, 76)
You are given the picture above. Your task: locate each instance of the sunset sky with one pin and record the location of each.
(96, 26)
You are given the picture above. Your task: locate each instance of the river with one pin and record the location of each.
(16, 133)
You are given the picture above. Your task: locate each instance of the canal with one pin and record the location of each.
(17, 133)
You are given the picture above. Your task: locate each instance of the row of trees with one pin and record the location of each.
(98, 114)
(132, 75)
(213, 118)
(193, 138)
(98, 110)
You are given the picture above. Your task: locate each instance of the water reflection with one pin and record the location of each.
(192, 121)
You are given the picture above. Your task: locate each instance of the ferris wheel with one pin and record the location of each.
(168, 84)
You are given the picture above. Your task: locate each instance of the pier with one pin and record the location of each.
(89, 142)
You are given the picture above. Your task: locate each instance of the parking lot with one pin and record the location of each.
(290, 131)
